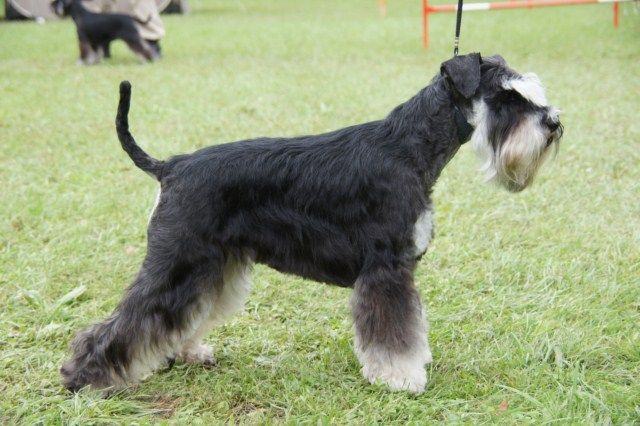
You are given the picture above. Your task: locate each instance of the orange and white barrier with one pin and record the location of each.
(428, 9)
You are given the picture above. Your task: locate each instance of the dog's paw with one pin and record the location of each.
(413, 381)
(198, 354)
(428, 357)
(399, 371)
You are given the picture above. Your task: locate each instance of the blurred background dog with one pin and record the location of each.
(96, 31)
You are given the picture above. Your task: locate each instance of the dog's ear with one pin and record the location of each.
(463, 72)
(495, 59)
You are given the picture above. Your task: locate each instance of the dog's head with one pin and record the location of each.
(61, 8)
(514, 126)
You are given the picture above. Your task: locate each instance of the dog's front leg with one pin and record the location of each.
(106, 49)
(390, 328)
(140, 48)
(87, 55)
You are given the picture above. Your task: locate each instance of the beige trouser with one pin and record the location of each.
(143, 10)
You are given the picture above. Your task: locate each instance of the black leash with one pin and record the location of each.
(463, 127)
(456, 41)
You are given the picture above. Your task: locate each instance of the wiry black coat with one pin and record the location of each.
(325, 206)
(338, 208)
(342, 207)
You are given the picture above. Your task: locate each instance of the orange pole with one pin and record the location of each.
(425, 23)
(382, 7)
(514, 5)
(538, 3)
(427, 9)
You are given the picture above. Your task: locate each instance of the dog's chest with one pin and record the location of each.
(423, 232)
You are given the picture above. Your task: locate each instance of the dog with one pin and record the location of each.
(96, 31)
(351, 208)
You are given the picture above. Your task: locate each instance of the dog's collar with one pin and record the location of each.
(463, 128)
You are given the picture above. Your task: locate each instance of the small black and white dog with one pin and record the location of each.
(96, 31)
(350, 207)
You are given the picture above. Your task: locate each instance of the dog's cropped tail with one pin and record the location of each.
(140, 158)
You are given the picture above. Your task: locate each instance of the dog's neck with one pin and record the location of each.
(431, 127)
(463, 128)
(78, 10)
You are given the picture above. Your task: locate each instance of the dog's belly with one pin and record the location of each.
(293, 243)
(331, 271)
(423, 232)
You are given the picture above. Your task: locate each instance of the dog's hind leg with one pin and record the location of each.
(98, 50)
(390, 328)
(167, 303)
(229, 299)
(106, 49)
(141, 49)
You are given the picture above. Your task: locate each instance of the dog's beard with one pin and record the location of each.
(521, 155)
(514, 161)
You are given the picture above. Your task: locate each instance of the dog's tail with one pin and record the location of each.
(140, 158)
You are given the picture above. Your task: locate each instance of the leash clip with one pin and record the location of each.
(456, 41)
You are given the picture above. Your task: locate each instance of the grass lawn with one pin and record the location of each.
(533, 299)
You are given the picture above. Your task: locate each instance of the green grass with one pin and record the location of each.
(533, 299)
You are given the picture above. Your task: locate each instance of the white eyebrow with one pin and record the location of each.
(529, 86)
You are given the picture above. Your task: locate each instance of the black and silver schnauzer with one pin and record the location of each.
(96, 31)
(351, 208)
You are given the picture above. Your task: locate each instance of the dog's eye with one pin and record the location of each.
(512, 96)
